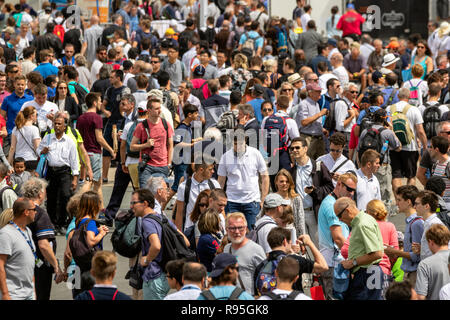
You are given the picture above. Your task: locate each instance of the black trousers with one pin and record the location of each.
(43, 281)
(121, 181)
(59, 191)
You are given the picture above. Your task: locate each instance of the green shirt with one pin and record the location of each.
(366, 238)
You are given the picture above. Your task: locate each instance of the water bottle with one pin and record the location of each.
(384, 147)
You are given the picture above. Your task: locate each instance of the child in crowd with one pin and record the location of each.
(19, 176)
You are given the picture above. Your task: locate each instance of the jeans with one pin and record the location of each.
(179, 171)
(250, 210)
(151, 171)
(156, 289)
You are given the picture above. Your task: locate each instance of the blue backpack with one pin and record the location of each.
(282, 45)
(266, 280)
(276, 129)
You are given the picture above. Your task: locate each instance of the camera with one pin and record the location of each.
(144, 159)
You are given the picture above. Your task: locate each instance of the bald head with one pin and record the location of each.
(345, 209)
(95, 19)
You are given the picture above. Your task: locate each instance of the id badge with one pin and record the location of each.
(38, 262)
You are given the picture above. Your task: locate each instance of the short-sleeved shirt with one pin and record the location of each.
(242, 173)
(87, 123)
(158, 153)
(12, 105)
(353, 65)
(183, 133)
(92, 226)
(42, 228)
(263, 232)
(350, 23)
(425, 251)
(113, 96)
(331, 164)
(149, 227)
(432, 275)
(326, 219)
(366, 238)
(24, 142)
(367, 189)
(42, 111)
(20, 263)
(46, 69)
(413, 233)
(259, 41)
(308, 108)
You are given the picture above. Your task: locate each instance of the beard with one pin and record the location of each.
(236, 240)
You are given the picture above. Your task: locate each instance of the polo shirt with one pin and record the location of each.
(256, 104)
(242, 173)
(12, 105)
(366, 238)
(367, 189)
(46, 69)
(332, 164)
(308, 108)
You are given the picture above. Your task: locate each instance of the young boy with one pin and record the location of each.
(286, 274)
(103, 270)
(19, 176)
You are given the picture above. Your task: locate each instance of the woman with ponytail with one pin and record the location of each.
(331, 23)
(25, 139)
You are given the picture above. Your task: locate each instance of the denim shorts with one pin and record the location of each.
(96, 165)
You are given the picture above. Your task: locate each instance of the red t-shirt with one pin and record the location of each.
(158, 154)
(86, 125)
(2, 124)
(350, 23)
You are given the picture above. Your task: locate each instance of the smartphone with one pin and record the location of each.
(293, 235)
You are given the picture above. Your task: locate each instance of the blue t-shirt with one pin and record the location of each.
(46, 69)
(12, 105)
(326, 219)
(386, 94)
(363, 114)
(149, 227)
(224, 292)
(92, 226)
(259, 41)
(256, 104)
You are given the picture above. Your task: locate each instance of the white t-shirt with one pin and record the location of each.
(42, 112)
(323, 79)
(423, 88)
(300, 296)
(129, 160)
(414, 118)
(23, 150)
(342, 75)
(242, 173)
(444, 294)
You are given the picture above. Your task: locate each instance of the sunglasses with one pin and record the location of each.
(353, 92)
(348, 188)
(420, 47)
(295, 148)
(153, 62)
(336, 150)
(446, 132)
(14, 71)
(32, 209)
(286, 90)
(339, 215)
(267, 110)
(202, 205)
(134, 202)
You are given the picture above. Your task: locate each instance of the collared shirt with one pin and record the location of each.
(366, 238)
(12, 105)
(42, 111)
(425, 251)
(308, 108)
(187, 292)
(367, 189)
(188, 58)
(304, 179)
(62, 152)
(210, 72)
(332, 164)
(341, 114)
(242, 173)
(413, 233)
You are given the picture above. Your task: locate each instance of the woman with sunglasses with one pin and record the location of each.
(200, 207)
(423, 57)
(66, 102)
(287, 89)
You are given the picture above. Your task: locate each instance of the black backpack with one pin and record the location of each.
(330, 120)
(81, 96)
(199, 92)
(431, 119)
(207, 294)
(367, 121)
(126, 239)
(1, 195)
(173, 246)
(444, 215)
(290, 296)
(82, 253)
(371, 140)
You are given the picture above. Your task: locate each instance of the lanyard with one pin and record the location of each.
(190, 287)
(26, 238)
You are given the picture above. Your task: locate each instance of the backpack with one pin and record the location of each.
(213, 113)
(282, 296)
(126, 239)
(132, 154)
(199, 92)
(431, 120)
(400, 124)
(272, 124)
(147, 130)
(169, 103)
(391, 97)
(282, 44)
(207, 294)
(371, 140)
(330, 120)
(250, 43)
(82, 253)
(1, 195)
(173, 246)
(228, 120)
(81, 96)
(253, 235)
(414, 94)
(368, 121)
(265, 280)
(59, 31)
(444, 216)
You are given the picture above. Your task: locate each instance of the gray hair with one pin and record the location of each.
(62, 114)
(349, 85)
(440, 58)
(3, 170)
(105, 71)
(403, 94)
(33, 187)
(247, 109)
(130, 98)
(154, 184)
(212, 133)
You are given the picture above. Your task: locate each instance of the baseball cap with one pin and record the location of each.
(170, 32)
(332, 42)
(276, 18)
(274, 200)
(220, 262)
(142, 107)
(351, 6)
(393, 45)
(9, 30)
(268, 48)
(376, 75)
(257, 88)
(313, 87)
(198, 70)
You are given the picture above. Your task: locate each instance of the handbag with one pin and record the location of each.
(42, 166)
(134, 276)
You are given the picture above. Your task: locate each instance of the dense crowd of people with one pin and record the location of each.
(267, 156)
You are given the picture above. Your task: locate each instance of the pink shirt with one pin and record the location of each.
(197, 83)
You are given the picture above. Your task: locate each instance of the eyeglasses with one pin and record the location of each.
(267, 110)
(420, 47)
(284, 90)
(134, 202)
(348, 188)
(295, 148)
(14, 71)
(446, 132)
(336, 150)
(353, 92)
(339, 215)
(241, 228)
(32, 209)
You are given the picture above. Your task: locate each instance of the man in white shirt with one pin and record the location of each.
(189, 56)
(335, 161)
(325, 75)
(337, 60)
(45, 109)
(63, 170)
(368, 187)
(242, 166)
(98, 63)
(404, 163)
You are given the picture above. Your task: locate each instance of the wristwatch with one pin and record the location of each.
(355, 263)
